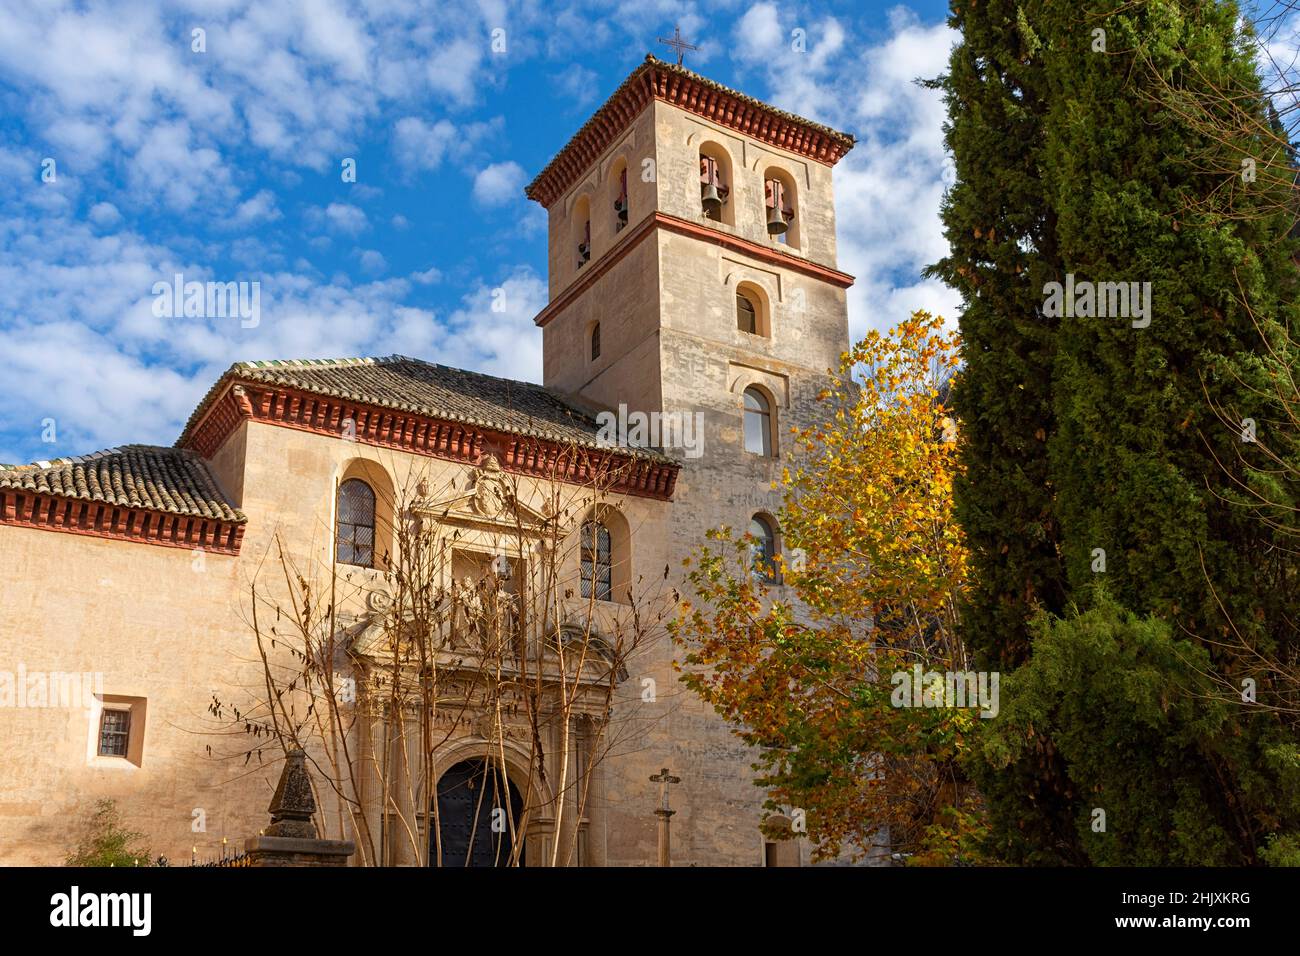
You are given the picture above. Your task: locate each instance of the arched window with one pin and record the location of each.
(582, 225)
(764, 560)
(753, 309)
(715, 183)
(779, 202)
(746, 314)
(778, 213)
(595, 341)
(620, 201)
(355, 539)
(597, 562)
(758, 423)
(584, 247)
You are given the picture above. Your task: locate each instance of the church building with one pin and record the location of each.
(152, 594)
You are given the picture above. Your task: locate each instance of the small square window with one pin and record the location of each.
(114, 733)
(116, 737)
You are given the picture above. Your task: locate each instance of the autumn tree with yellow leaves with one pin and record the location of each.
(800, 658)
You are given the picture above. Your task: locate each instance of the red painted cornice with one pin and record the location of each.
(431, 437)
(768, 254)
(669, 83)
(222, 418)
(685, 227)
(21, 508)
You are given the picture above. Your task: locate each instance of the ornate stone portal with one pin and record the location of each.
(479, 699)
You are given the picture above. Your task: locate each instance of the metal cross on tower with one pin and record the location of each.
(677, 42)
(664, 779)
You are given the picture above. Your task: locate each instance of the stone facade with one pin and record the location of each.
(169, 629)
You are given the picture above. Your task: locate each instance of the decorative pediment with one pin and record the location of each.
(490, 500)
(371, 639)
(600, 653)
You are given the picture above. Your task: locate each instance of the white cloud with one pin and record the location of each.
(373, 262)
(577, 85)
(888, 190)
(506, 342)
(454, 69)
(338, 217)
(759, 35)
(419, 145)
(339, 38)
(80, 142)
(168, 164)
(258, 209)
(97, 395)
(298, 81)
(82, 344)
(255, 255)
(104, 214)
(499, 183)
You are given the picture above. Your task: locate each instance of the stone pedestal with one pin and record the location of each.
(297, 851)
(291, 839)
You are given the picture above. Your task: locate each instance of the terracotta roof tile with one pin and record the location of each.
(136, 476)
(423, 388)
(601, 119)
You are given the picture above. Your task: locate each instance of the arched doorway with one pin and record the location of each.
(468, 793)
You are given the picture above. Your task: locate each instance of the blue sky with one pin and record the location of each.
(225, 165)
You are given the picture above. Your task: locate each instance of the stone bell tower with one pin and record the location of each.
(692, 270)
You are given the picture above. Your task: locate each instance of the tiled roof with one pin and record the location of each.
(134, 476)
(613, 115)
(847, 139)
(423, 388)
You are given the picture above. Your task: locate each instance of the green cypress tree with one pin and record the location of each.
(1002, 237)
(1146, 469)
(1141, 460)
(1121, 695)
(1143, 463)
(1003, 248)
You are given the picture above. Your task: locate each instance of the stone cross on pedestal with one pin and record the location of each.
(664, 779)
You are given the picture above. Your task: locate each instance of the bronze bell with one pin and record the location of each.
(776, 223)
(710, 199)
